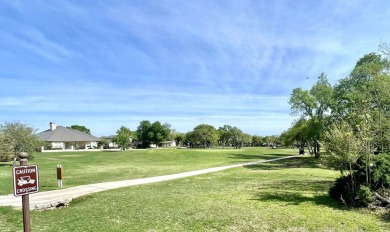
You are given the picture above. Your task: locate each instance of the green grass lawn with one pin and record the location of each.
(286, 195)
(93, 167)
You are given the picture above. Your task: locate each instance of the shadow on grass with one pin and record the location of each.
(294, 198)
(256, 157)
(292, 192)
(386, 216)
(297, 162)
(5, 165)
(299, 185)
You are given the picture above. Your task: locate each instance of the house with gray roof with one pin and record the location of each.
(65, 138)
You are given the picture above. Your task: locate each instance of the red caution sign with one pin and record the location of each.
(25, 179)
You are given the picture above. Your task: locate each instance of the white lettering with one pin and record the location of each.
(25, 171)
(26, 190)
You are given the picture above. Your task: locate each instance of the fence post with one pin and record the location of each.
(60, 175)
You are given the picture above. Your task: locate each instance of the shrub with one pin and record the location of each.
(380, 171)
(364, 196)
(5, 157)
(340, 191)
(343, 190)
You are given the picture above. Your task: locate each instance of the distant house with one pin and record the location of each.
(111, 144)
(168, 144)
(61, 137)
(164, 144)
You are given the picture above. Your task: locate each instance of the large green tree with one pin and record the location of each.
(159, 132)
(314, 105)
(236, 137)
(352, 120)
(190, 140)
(142, 132)
(205, 135)
(153, 133)
(223, 135)
(359, 129)
(232, 136)
(363, 100)
(16, 137)
(299, 134)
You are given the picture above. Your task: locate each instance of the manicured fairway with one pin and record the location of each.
(94, 167)
(287, 195)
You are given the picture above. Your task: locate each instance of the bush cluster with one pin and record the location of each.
(361, 193)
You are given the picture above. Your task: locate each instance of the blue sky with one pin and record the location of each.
(104, 64)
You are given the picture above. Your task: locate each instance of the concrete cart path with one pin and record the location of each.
(52, 199)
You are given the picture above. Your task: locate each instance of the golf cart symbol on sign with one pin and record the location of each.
(25, 180)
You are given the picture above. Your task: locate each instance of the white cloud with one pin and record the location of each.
(182, 62)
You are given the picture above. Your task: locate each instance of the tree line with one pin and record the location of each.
(202, 136)
(351, 122)
(16, 137)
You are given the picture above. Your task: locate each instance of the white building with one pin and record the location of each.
(65, 138)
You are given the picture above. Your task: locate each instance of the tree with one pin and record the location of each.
(231, 136)
(205, 135)
(6, 150)
(134, 136)
(223, 135)
(235, 136)
(123, 137)
(270, 140)
(16, 137)
(142, 132)
(246, 140)
(190, 140)
(103, 142)
(80, 128)
(179, 138)
(359, 129)
(297, 134)
(384, 48)
(153, 133)
(314, 105)
(363, 102)
(365, 92)
(342, 151)
(302, 133)
(159, 132)
(257, 141)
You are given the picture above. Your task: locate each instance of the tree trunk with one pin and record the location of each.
(383, 199)
(317, 150)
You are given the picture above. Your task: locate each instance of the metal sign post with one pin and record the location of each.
(25, 180)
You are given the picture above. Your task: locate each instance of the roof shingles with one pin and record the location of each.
(63, 134)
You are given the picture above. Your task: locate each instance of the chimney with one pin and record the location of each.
(53, 126)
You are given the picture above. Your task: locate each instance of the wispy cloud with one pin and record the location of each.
(182, 62)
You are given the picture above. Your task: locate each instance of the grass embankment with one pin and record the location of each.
(286, 195)
(95, 167)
